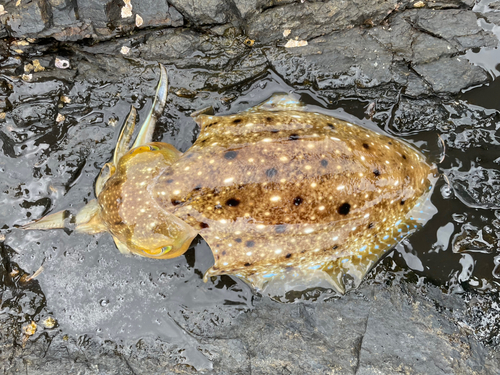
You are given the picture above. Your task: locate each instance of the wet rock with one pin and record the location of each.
(248, 8)
(442, 24)
(207, 12)
(478, 187)
(483, 313)
(387, 54)
(156, 14)
(68, 20)
(474, 239)
(412, 115)
(332, 61)
(30, 113)
(410, 44)
(419, 333)
(186, 48)
(312, 19)
(27, 19)
(451, 74)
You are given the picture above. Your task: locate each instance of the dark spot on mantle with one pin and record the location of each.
(280, 228)
(233, 202)
(249, 244)
(344, 208)
(230, 155)
(271, 172)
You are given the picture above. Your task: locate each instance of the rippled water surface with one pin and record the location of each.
(90, 288)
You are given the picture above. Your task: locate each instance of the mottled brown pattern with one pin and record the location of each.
(273, 192)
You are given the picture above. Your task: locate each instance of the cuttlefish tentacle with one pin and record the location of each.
(52, 221)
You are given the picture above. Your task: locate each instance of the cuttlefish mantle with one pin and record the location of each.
(280, 194)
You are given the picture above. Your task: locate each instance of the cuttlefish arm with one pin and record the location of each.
(88, 220)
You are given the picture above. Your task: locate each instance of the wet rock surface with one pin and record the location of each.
(69, 72)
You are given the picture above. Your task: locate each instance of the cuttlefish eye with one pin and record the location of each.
(153, 148)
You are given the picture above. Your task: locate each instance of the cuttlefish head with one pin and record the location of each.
(132, 216)
(123, 206)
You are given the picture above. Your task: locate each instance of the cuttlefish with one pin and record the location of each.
(277, 192)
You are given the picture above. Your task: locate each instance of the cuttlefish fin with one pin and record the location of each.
(52, 221)
(147, 128)
(294, 278)
(330, 274)
(281, 102)
(355, 267)
(121, 246)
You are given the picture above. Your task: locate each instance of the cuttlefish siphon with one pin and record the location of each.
(277, 192)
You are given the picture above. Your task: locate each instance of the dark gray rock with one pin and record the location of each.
(442, 23)
(451, 74)
(411, 116)
(3, 31)
(63, 13)
(228, 60)
(368, 58)
(248, 8)
(157, 14)
(95, 12)
(208, 12)
(449, 4)
(312, 19)
(27, 19)
(410, 44)
(68, 20)
(332, 61)
(375, 330)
